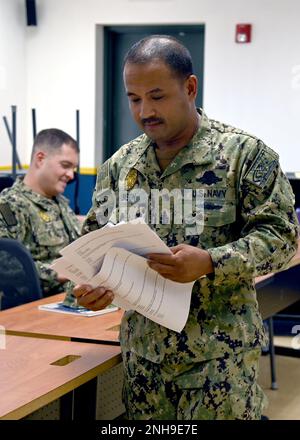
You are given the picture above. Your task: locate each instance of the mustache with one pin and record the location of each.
(151, 121)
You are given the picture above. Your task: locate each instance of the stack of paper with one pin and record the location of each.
(114, 257)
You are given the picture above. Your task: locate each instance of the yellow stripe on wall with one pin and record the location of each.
(91, 171)
(8, 168)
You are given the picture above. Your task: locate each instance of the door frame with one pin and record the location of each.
(109, 33)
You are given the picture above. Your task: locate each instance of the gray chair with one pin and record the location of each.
(19, 280)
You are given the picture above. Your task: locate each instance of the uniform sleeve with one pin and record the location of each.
(103, 202)
(266, 218)
(12, 221)
(13, 224)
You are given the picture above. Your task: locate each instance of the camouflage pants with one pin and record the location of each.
(218, 389)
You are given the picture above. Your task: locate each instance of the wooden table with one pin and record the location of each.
(35, 371)
(28, 320)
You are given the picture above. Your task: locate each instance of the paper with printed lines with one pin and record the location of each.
(114, 257)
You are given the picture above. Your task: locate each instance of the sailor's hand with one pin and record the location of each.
(187, 263)
(93, 299)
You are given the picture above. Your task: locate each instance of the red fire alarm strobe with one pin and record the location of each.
(243, 33)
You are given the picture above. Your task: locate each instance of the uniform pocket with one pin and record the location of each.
(51, 234)
(222, 389)
(216, 227)
(218, 214)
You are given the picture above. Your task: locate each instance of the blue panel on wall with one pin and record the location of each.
(86, 188)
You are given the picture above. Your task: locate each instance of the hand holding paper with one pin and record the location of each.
(93, 298)
(187, 263)
(114, 259)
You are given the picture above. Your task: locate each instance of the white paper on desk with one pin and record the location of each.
(112, 257)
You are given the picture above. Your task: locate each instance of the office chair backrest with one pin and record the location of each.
(6, 182)
(19, 280)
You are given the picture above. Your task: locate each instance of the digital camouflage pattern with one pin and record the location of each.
(43, 225)
(250, 229)
(220, 389)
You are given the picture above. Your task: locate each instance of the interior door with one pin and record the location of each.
(119, 126)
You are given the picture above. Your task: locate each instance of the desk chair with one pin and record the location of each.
(6, 182)
(19, 280)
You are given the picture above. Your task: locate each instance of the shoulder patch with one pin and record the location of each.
(262, 168)
(7, 214)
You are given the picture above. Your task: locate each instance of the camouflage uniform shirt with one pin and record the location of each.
(250, 229)
(43, 225)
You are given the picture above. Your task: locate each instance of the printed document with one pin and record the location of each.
(114, 257)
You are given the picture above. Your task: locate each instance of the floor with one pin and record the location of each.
(284, 403)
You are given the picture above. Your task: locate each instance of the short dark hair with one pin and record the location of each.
(52, 139)
(165, 48)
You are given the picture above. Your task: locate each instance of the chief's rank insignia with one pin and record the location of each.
(44, 216)
(131, 179)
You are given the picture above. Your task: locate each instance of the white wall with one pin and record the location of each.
(257, 86)
(254, 86)
(61, 69)
(12, 74)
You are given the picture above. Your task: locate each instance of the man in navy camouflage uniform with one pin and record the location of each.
(35, 212)
(209, 370)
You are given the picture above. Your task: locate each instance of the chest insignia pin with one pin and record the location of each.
(131, 179)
